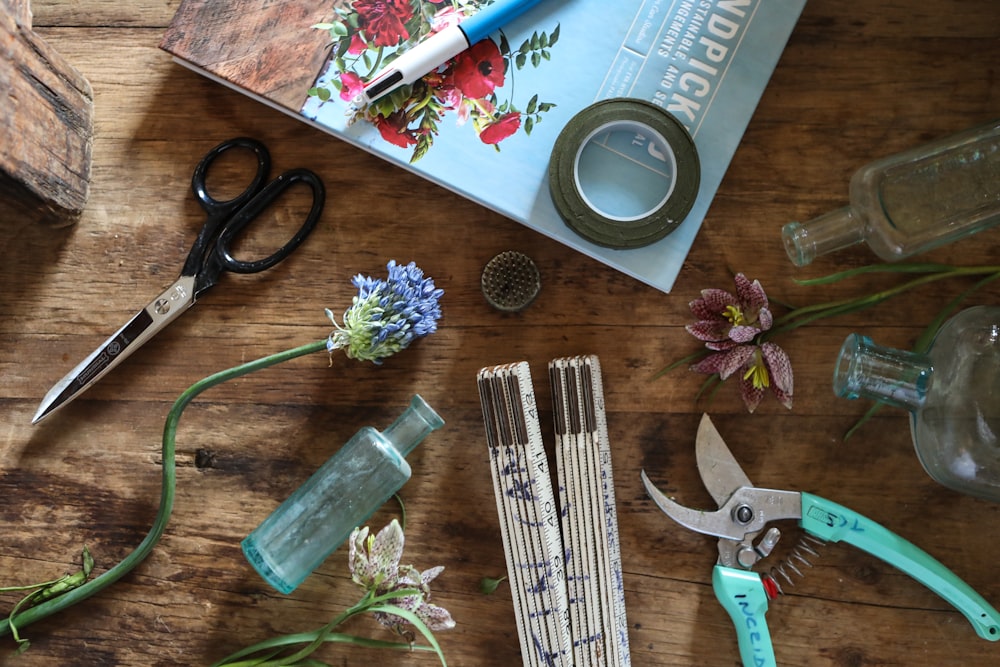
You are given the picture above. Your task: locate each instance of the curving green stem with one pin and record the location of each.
(167, 491)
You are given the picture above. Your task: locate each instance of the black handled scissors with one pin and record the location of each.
(210, 255)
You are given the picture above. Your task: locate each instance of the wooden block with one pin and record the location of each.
(46, 126)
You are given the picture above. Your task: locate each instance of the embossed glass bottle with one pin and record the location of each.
(320, 515)
(952, 393)
(911, 202)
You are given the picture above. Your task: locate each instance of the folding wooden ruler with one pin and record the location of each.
(563, 561)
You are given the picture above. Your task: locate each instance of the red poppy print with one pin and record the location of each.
(479, 70)
(475, 89)
(384, 21)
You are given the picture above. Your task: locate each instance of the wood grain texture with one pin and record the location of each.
(269, 46)
(856, 81)
(46, 126)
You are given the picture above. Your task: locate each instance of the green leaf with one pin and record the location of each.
(532, 104)
(694, 356)
(861, 422)
(488, 585)
(903, 267)
(416, 622)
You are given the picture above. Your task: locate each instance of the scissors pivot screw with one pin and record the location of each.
(161, 306)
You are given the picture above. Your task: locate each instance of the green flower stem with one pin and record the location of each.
(167, 491)
(316, 638)
(806, 314)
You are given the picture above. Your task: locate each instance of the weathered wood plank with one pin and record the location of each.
(46, 126)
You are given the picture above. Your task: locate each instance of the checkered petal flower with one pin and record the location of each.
(387, 315)
(724, 316)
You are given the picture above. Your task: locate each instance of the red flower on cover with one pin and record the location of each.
(394, 129)
(358, 44)
(479, 70)
(500, 129)
(351, 86)
(384, 21)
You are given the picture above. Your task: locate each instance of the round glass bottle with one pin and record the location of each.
(952, 393)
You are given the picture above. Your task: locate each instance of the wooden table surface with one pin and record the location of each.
(857, 81)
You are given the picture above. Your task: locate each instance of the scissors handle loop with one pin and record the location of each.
(221, 208)
(255, 206)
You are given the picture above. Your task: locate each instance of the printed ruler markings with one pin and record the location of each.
(616, 583)
(529, 515)
(499, 454)
(601, 637)
(578, 519)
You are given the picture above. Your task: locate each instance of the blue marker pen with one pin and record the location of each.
(441, 47)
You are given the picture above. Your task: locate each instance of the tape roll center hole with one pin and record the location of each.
(625, 171)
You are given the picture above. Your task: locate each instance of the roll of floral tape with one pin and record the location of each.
(624, 173)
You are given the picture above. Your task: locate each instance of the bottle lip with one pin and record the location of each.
(845, 376)
(794, 235)
(427, 413)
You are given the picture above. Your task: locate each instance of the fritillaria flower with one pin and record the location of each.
(724, 317)
(733, 326)
(374, 563)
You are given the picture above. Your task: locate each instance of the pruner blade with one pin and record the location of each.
(746, 512)
(720, 472)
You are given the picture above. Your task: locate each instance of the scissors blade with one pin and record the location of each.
(144, 325)
(720, 472)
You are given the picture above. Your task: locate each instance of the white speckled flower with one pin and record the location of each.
(374, 564)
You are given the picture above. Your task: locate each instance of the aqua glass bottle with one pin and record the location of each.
(320, 515)
(911, 202)
(952, 393)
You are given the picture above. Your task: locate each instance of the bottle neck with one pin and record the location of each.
(805, 241)
(897, 377)
(412, 426)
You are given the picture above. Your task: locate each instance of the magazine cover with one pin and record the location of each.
(484, 124)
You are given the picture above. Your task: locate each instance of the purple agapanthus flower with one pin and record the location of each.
(732, 326)
(387, 315)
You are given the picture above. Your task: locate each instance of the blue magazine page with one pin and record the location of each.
(485, 123)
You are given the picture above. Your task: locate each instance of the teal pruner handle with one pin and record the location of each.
(742, 595)
(835, 523)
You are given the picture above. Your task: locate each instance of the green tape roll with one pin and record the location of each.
(590, 169)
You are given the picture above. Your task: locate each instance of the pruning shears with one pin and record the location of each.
(741, 524)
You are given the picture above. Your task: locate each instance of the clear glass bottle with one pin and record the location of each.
(952, 393)
(320, 515)
(911, 202)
